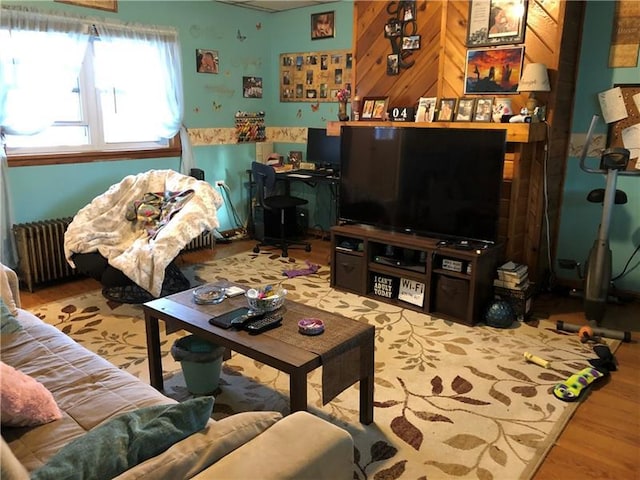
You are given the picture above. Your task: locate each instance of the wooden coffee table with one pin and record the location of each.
(345, 350)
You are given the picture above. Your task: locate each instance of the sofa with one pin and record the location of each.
(91, 394)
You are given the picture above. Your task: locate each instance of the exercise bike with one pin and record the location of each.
(597, 278)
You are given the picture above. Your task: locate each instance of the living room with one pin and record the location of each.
(249, 44)
(212, 100)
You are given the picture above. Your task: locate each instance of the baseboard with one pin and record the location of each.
(578, 285)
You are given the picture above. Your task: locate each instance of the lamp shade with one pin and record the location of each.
(534, 78)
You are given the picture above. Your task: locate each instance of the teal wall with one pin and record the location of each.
(579, 218)
(52, 191)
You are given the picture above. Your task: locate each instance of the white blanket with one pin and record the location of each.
(102, 227)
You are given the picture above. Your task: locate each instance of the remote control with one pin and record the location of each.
(270, 321)
(240, 320)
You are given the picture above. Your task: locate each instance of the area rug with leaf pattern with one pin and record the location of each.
(451, 401)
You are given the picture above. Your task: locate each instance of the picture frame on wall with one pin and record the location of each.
(484, 110)
(323, 25)
(207, 61)
(493, 70)
(252, 87)
(412, 42)
(446, 109)
(393, 62)
(496, 22)
(466, 109)
(374, 108)
(393, 29)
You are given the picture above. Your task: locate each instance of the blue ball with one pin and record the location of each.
(500, 314)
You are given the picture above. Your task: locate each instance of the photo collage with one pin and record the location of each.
(315, 76)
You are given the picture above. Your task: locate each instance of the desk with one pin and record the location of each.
(286, 178)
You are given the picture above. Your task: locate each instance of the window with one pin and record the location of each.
(125, 102)
(89, 117)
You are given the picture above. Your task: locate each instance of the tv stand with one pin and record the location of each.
(421, 274)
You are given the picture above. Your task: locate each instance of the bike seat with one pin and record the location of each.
(597, 196)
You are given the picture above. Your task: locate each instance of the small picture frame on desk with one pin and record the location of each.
(374, 108)
(466, 109)
(484, 110)
(295, 158)
(446, 109)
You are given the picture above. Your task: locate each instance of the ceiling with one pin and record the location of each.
(273, 6)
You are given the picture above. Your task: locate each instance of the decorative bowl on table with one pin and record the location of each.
(209, 294)
(265, 299)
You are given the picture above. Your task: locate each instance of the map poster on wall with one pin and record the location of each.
(411, 292)
(315, 76)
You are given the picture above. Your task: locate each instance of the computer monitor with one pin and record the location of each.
(323, 149)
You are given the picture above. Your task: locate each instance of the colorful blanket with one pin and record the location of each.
(102, 226)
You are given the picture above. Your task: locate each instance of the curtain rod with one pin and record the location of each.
(97, 21)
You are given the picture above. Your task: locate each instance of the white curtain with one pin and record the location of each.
(40, 58)
(8, 251)
(146, 62)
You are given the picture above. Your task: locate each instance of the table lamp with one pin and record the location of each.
(534, 79)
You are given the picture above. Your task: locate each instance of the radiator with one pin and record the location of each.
(204, 240)
(41, 250)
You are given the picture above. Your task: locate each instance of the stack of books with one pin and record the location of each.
(513, 285)
(514, 276)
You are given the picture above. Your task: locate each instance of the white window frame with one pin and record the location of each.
(91, 117)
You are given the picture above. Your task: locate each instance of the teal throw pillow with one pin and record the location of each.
(8, 323)
(125, 441)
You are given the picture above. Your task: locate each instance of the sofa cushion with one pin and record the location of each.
(192, 455)
(24, 401)
(88, 389)
(126, 440)
(8, 321)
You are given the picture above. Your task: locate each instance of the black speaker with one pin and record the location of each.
(197, 173)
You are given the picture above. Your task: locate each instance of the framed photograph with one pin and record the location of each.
(446, 109)
(466, 109)
(393, 63)
(493, 70)
(108, 5)
(322, 25)
(496, 22)
(393, 29)
(207, 61)
(374, 108)
(484, 110)
(411, 42)
(426, 109)
(252, 87)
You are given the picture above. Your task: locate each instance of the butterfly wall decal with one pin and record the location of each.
(216, 106)
(315, 106)
(240, 37)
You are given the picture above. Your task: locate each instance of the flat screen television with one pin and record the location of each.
(436, 182)
(323, 149)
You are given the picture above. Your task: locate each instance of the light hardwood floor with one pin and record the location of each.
(602, 440)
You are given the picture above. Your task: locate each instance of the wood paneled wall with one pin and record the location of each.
(552, 36)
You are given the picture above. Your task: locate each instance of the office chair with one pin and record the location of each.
(277, 210)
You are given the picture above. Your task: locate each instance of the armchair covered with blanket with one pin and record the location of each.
(139, 226)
